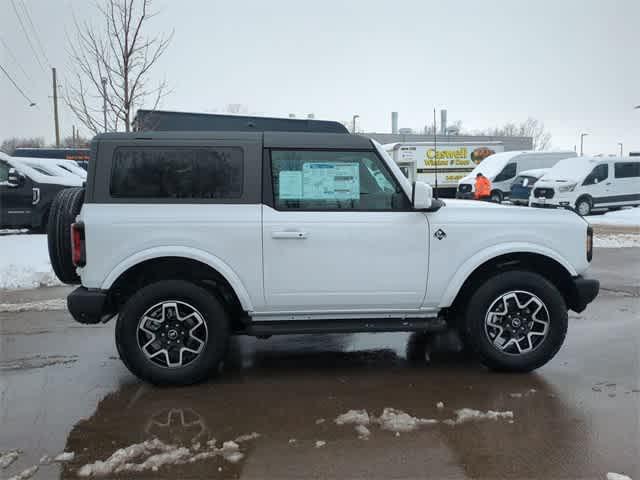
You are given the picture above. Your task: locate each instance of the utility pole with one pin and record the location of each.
(620, 145)
(104, 102)
(353, 123)
(55, 107)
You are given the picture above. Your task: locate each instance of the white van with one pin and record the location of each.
(503, 168)
(589, 183)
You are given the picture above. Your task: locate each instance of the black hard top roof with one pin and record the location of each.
(269, 139)
(164, 120)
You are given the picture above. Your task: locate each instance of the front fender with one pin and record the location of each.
(483, 256)
(183, 252)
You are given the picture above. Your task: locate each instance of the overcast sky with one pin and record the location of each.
(574, 64)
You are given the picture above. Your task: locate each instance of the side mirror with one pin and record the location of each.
(15, 178)
(422, 196)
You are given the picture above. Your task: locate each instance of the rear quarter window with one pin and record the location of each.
(627, 169)
(177, 173)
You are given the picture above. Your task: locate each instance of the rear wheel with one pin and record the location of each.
(516, 321)
(172, 332)
(496, 196)
(583, 206)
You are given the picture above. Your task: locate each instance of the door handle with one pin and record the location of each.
(290, 234)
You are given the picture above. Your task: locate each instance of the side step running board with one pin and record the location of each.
(290, 327)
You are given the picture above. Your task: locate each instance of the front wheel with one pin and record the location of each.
(516, 321)
(172, 332)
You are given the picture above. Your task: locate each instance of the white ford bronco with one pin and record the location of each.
(190, 237)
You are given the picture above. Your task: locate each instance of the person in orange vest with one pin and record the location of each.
(483, 188)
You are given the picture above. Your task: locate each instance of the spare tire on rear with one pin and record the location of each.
(64, 209)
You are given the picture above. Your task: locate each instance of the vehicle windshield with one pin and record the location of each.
(569, 169)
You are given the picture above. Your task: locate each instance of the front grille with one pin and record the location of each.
(543, 192)
(464, 188)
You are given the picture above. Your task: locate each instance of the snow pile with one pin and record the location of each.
(469, 414)
(363, 432)
(24, 262)
(25, 474)
(353, 417)
(398, 421)
(440, 405)
(65, 457)
(246, 438)
(619, 240)
(320, 443)
(617, 476)
(8, 457)
(39, 306)
(151, 455)
(628, 217)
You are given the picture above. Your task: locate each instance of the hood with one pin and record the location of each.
(486, 213)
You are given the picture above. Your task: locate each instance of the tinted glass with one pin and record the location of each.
(334, 180)
(509, 171)
(180, 173)
(627, 170)
(4, 172)
(599, 173)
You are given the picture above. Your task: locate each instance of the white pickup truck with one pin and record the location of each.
(190, 237)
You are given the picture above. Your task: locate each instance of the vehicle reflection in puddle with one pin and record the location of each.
(281, 387)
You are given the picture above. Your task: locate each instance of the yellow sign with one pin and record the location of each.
(459, 157)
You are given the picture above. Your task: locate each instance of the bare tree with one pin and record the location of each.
(531, 127)
(9, 145)
(112, 63)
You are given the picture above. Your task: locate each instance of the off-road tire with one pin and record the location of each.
(63, 212)
(483, 298)
(213, 313)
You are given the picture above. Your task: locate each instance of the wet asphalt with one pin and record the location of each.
(65, 389)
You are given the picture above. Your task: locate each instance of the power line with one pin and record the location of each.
(15, 60)
(31, 103)
(35, 32)
(24, 30)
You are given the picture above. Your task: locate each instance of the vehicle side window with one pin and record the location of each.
(334, 180)
(177, 172)
(509, 171)
(627, 170)
(4, 172)
(600, 173)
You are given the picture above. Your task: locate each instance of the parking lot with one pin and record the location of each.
(64, 389)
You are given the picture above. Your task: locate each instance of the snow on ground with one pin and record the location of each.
(628, 217)
(24, 262)
(469, 414)
(398, 421)
(617, 476)
(620, 240)
(363, 432)
(25, 474)
(39, 306)
(353, 417)
(151, 455)
(65, 457)
(8, 457)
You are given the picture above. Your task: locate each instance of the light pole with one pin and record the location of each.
(353, 123)
(582, 135)
(620, 145)
(104, 102)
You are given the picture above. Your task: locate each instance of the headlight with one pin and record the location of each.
(567, 188)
